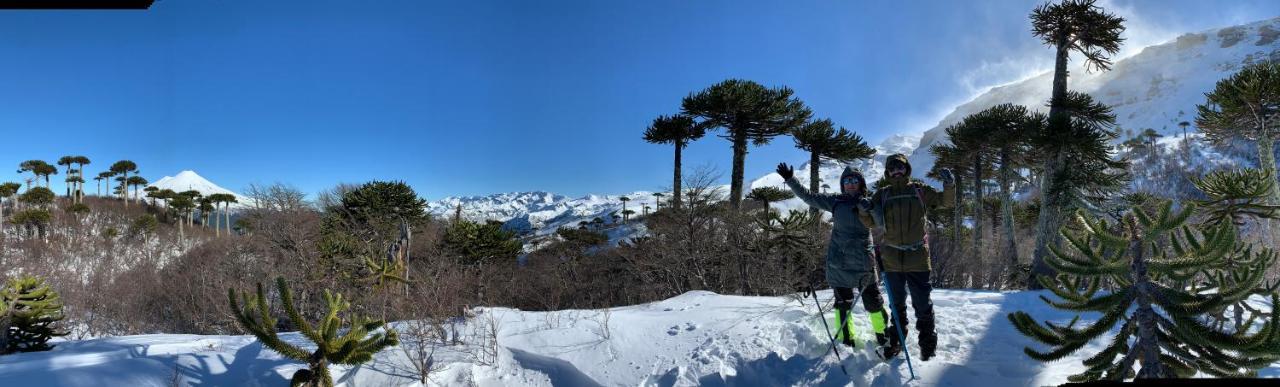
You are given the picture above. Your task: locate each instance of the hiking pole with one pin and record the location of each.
(897, 324)
(823, 316)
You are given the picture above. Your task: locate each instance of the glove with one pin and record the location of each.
(947, 177)
(785, 171)
(864, 204)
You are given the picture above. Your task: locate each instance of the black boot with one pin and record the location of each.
(928, 346)
(890, 348)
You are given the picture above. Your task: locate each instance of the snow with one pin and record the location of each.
(1156, 88)
(537, 215)
(697, 338)
(189, 180)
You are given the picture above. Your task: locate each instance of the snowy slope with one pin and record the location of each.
(1156, 88)
(698, 338)
(188, 180)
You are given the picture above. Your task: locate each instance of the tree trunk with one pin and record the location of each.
(813, 179)
(739, 158)
(1051, 199)
(1267, 161)
(1148, 339)
(124, 191)
(226, 210)
(675, 183)
(1006, 207)
(977, 205)
(217, 222)
(957, 215)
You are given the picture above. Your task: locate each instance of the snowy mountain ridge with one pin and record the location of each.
(1156, 88)
(542, 213)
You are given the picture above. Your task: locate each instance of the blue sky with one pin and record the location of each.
(480, 97)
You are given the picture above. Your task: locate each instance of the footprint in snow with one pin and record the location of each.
(674, 330)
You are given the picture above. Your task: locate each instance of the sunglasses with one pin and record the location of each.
(849, 181)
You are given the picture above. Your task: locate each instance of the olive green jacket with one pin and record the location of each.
(901, 206)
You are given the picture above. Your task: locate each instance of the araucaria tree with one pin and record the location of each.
(824, 141)
(1246, 105)
(678, 130)
(225, 200)
(746, 111)
(136, 181)
(7, 190)
(361, 227)
(1155, 264)
(29, 308)
(38, 168)
(1090, 173)
(1005, 132)
(36, 202)
(1069, 26)
(181, 205)
(103, 176)
(948, 156)
(339, 339)
(78, 191)
(67, 161)
(625, 214)
(122, 168)
(969, 140)
(768, 195)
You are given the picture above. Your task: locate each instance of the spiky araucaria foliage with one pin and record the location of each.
(749, 113)
(679, 130)
(356, 345)
(791, 237)
(28, 310)
(1234, 195)
(770, 195)
(1246, 105)
(823, 140)
(1144, 262)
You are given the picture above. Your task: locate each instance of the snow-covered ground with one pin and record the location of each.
(698, 338)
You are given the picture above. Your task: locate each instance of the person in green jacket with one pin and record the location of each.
(899, 227)
(849, 264)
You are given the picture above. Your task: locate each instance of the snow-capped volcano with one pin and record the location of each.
(1157, 88)
(190, 181)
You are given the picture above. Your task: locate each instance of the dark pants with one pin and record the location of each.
(918, 284)
(872, 301)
